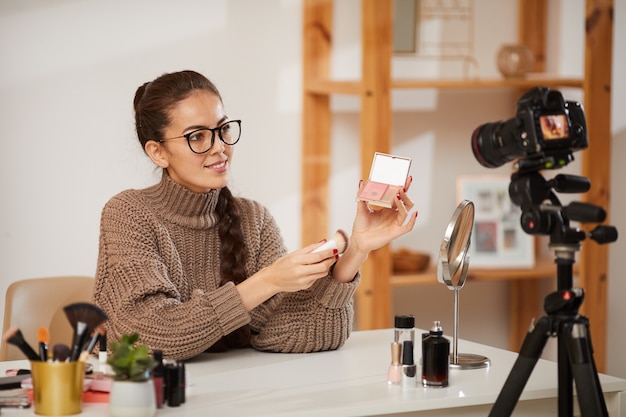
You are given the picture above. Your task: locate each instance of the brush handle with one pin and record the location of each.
(43, 351)
(80, 336)
(26, 349)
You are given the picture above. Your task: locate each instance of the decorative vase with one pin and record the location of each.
(515, 61)
(132, 399)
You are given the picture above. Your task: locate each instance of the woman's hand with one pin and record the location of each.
(300, 269)
(373, 229)
(295, 271)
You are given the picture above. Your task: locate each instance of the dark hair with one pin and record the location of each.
(153, 103)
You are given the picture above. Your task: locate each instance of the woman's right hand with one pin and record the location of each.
(300, 269)
(292, 272)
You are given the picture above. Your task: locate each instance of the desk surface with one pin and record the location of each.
(351, 382)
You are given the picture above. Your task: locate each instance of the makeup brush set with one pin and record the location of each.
(86, 320)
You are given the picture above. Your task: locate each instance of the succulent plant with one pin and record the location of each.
(130, 361)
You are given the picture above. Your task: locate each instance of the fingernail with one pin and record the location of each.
(404, 189)
(322, 241)
(398, 196)
(335, 251)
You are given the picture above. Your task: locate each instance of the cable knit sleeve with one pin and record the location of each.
(319, 318)
(142, 284)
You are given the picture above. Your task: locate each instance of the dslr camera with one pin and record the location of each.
(545, 128)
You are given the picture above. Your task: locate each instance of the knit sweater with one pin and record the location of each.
(158, 274)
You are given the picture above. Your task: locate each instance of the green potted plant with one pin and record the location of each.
(129, 361)
(132, 392)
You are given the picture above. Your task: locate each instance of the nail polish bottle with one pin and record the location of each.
(404, 329)
(409, 369)
(435, 358)
(394, 375)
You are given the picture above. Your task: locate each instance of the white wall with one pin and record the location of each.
(69, 70)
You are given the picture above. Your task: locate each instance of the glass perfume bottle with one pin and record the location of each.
(435, 358)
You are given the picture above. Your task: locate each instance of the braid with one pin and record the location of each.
(233, 256)
(232, 250)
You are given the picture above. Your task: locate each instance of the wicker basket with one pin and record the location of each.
(406, 260)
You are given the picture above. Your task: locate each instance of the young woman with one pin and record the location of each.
(191, 268)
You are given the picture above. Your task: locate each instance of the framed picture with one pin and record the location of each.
(498, 240)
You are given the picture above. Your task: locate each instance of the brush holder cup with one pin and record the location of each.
(57, 387)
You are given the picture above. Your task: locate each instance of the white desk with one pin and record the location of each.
(352, 382)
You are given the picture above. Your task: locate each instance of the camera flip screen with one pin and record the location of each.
(554, 126)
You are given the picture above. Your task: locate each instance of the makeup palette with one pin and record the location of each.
(388, 175)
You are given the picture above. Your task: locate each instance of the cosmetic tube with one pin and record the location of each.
(158, 376)
(409, 369)
(103, 355)
(435, 358)
(394, 375)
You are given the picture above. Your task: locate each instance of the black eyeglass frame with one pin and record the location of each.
(218, 129)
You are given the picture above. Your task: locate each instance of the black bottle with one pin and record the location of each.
(435, 358)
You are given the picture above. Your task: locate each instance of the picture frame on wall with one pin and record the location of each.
(498, 240)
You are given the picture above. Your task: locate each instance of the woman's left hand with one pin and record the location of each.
(373, 229)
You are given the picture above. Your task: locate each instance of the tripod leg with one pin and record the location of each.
(590, 397)
(529, 354)
(566, 387)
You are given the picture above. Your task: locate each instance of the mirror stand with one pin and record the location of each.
(453, 261)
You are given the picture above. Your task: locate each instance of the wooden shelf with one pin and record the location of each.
(374, 90)
(543, 268)
(327, 87)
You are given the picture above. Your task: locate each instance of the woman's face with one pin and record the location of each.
(197, 172)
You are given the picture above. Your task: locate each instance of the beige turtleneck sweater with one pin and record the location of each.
(159, 268)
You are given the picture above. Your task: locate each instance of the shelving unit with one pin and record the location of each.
(374, 89)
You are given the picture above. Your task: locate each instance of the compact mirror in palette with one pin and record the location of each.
(387, 175)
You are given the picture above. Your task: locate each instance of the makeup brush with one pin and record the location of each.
(84, 318)
(339, 242)
(60, 352)
(15, 337)
(97, 334)
(43, 336)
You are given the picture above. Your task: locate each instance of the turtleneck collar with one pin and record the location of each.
(181, 206)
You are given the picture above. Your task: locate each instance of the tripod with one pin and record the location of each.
(574, 349)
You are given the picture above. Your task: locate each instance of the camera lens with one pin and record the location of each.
(495, 144)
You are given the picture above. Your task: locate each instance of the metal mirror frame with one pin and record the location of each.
(454, 260)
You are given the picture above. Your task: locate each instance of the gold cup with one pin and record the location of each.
(57, 387)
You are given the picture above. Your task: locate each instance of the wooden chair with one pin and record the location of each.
(38, 302)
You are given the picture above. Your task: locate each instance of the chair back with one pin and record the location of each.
(38, 302)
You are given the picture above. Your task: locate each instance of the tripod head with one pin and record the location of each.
(543, 213)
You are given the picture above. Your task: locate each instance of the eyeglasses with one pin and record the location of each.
(201, 140)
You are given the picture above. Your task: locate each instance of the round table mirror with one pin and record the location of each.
(452, 270)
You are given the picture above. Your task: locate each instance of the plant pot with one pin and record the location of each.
(132, 399)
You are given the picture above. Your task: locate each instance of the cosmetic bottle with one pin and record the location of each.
(394, 375)
(409, 369)
(175, 383)
(435, 358)
(404, 329)
(103, 367)
(158, 376)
